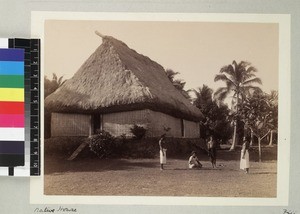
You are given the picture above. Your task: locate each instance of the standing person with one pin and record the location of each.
(194, 162)
(244, 164)
(212, 151)
(162, 151)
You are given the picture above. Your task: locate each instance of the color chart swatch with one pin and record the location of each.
(20, 107)
(12, 114)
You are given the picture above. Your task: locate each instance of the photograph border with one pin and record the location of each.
(36, 184)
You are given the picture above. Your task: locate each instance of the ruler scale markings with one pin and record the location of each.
(35, 107)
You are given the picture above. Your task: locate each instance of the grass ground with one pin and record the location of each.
(142, 177)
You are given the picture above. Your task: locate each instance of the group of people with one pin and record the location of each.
(194, 163)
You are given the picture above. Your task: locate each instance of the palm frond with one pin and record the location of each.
(244, 64)
(220, 90)
(252, 81)
(228, 69)
(248, 76)
(251, 69)
(205, 90)
(171, 74)
(224, 78)
(235, 64)
(221, 93)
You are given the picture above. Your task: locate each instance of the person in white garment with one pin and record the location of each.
(194, 162)
(244, 163)
(162, 151)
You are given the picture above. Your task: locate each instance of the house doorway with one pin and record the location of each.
(182, 127)
(97, 123)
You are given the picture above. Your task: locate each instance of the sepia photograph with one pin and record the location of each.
(161, 108)
(156, 106)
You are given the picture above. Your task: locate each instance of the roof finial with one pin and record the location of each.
(100, 34)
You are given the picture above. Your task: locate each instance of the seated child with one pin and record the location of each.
(194, 163)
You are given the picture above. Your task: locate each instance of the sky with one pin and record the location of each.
(197, 50)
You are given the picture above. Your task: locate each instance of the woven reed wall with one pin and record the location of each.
(121, 122)
(191, 129)
(70, 124)
(159, 121)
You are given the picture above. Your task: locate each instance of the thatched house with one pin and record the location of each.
(116, 88)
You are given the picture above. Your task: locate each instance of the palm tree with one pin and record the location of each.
(239, 79)
(216, 122)
(171, 74)
(51, 85)
(203, 98)
(177, 83)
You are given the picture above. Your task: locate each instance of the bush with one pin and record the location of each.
(102, 144)
(138, 131)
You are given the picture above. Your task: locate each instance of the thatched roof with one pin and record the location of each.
(116, 78)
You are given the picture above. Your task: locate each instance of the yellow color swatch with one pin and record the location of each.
(12, 94)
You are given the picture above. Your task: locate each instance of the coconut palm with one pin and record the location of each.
(203, 98)
(239, 79)
(171, 74)
(178, 83)
(216, 122)
(51, 85)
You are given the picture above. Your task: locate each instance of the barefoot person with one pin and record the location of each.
(244, 164)
(162, 151)
(212, 151)
(194, 162)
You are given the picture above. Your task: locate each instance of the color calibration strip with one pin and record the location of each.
(32, 96)
(31, 49)
(12, 114)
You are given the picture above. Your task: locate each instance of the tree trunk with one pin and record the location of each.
(259, 149)
(271, 138)
(251, 141)
(234, 138)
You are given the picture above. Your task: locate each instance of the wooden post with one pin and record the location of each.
(101, 122)
(91, 126)
(99, 34)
